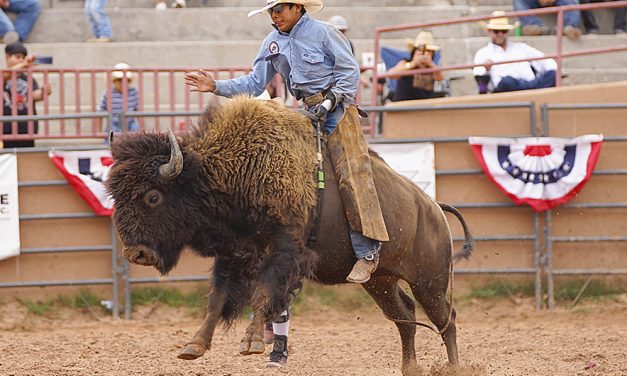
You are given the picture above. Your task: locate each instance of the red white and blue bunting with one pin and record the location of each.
(86, 171)
(543, 172)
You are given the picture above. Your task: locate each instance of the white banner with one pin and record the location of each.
(9, 213)
(414, 161)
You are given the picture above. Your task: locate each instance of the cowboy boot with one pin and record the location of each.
(363, 269)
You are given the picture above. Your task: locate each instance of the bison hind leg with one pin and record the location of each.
(438, 309)
(396, 304)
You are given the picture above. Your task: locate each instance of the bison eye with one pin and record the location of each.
(153, 198)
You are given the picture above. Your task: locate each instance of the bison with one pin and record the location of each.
(241, 189)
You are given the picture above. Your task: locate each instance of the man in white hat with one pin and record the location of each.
(513, 76)
(316, 63)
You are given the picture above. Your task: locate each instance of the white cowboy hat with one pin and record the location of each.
(500, 22)
(311, 6)
(424, 38)
(119, 74)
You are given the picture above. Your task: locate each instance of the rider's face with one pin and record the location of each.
(285, 15)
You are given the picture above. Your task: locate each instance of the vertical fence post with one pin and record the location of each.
(559, 31)
(114, 274)
(537, 261)
(127, 291)
(548, 259)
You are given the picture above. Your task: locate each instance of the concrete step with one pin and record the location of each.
(216, 54)
(252, 4)
(195, 24)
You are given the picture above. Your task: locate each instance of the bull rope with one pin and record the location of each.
(450, 312)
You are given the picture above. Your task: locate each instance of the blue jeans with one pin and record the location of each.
(544, 80)
(98, 19)
(27, 12)
(363, 246)
(571, 18)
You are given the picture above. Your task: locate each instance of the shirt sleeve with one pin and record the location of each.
(103, 102)
(253, 83)
(345, 69)
(480, 58)
(540, 66)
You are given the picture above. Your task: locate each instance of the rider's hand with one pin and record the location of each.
(200, 81)
(319, 114)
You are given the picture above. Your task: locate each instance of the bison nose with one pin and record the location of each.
(140, 255)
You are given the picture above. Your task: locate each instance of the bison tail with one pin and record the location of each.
(469, 240)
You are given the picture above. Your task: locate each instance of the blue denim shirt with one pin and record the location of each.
(312, 57)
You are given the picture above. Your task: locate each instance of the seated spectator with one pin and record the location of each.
(16, 57)
(533, 25)
(98, 21)
(514, 76)
(421, 85)
(117, 100)
(18, 30)
(590, 23)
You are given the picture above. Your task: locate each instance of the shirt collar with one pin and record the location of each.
(495, 46)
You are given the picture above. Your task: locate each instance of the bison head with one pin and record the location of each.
(154, 188)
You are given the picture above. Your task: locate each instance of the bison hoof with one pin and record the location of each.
(192, 351)
(252, 347)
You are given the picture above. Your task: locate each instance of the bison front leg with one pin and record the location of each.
(202, 339)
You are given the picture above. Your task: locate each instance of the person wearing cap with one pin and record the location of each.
(533, 25)
(18, 30)
(315, 61)
(512, 76)
(420, 85)
(341, 24)
(16, 57)
(118, 91)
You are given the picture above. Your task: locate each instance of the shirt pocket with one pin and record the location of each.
(312, 62)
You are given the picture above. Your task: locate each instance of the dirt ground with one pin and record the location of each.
(495, 338)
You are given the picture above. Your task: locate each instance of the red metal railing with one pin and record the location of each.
(559, 55)
(80, 91)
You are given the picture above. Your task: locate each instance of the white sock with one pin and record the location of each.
(281, 328)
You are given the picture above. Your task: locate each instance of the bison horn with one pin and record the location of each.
(173, 168)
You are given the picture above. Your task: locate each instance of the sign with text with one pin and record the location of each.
(415, 161)
(9, 213)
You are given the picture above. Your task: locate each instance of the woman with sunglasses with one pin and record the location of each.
(525, 75)
(316, 63)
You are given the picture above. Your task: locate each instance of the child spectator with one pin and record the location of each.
(117, 100)
(16, 57)
(98, 21)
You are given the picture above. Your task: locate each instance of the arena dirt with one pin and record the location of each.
(495, 338)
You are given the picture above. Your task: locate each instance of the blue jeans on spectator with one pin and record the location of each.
(27, 12)
(571, 18)
(98, 19)
(544, 80)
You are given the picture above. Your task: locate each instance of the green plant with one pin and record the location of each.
(37, 308)
(501, 289)
(596, 289)
(169, 296)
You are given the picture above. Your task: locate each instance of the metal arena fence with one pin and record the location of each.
(122, 280)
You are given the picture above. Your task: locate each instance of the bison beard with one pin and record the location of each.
(245, 196)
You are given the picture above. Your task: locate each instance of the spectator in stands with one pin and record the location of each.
(514, 76)
(341, 24)
(590, 23)
(16, 57)
(420, 85)
(533, 25)
(161, 5)
(117, 100)
(18, 30)
(98, 21)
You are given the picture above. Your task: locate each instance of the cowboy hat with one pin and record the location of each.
(424, 38)
(311, 6)
(500, 22)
